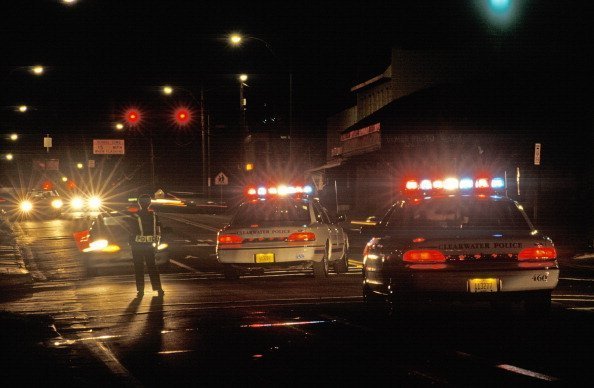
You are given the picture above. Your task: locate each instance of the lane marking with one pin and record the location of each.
(508, 367)
(184, 221)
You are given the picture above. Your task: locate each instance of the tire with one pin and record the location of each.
(370, 297)
(320, 269)
(230, 272)
(342, 265)
(538, 304)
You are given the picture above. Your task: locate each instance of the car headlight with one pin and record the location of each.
(162, 246)
(26, 206)
(102, 245)
(94, 203)
(57, 203)
(77, 203)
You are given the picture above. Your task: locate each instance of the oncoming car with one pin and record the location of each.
(282, 227)
(41, 203)
(105, 243)
(458, 239)
(85, 204)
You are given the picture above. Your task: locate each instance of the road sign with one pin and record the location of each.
(91, 163)
(221, 179)
(537, 154)
(47, 142)
(108, 146)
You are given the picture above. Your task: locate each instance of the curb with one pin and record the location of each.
(12, 266)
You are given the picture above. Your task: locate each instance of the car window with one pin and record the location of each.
(321, 215)
(458, 212)
(271, 212)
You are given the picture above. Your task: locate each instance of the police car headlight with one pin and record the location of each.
(26, 206)
(57, 203)
(77, 203)
(94, 203)
(162, 246)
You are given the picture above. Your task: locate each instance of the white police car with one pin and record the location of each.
(282, 227)
(458, 239)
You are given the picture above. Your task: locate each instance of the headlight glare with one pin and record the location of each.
(94, 203)
(26, 206)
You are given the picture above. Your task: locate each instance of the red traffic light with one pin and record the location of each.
(133, 116)
(182, 116)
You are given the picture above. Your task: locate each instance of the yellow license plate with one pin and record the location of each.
(264, 257)
(483, 285)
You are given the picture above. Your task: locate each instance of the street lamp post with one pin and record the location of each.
(242, 105)
(235, 40)
(169, 90)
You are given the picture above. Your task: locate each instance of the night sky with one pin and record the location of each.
(104, 56)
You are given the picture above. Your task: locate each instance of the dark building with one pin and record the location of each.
(437, 113)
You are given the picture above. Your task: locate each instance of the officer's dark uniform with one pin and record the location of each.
(144, 237)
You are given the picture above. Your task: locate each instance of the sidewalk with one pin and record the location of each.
(12, 266)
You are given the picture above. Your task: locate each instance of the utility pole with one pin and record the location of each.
(203, 143)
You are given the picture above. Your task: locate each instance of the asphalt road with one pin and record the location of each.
(280, 328)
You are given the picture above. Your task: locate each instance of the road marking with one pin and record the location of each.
(184, 266)
(526, 372)
(508, 368)
(183, 220)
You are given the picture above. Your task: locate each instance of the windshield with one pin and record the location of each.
(458, 212)
(287, 212)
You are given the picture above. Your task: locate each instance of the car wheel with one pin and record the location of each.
(230, 272)
(320, 269)
(342, 265)
(538, 304)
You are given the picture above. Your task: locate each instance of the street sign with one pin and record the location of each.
(537, 154)
(91, 163)
(47, 142)
(108, 146)
(221, 179)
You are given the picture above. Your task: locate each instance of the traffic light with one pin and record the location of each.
(182, 116)
(133, 117)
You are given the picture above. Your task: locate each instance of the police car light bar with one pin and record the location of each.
(451, 183)
(281, 190)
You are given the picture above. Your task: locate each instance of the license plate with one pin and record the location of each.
(483, 285)
(143, 239)
(264, 257)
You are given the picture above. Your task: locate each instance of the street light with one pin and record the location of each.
(14, 136)
(236, 39)
(37, 70)
(119, 126)
(22, 108)
(9, 157)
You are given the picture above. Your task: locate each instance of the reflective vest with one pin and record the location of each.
(144, 238)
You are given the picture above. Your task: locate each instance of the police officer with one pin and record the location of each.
(144, 239)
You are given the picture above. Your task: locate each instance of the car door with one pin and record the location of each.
(336, 247)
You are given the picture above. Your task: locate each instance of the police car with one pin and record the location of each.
(282, 227)
(458, 239)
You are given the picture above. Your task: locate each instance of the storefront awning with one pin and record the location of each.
(331, 164)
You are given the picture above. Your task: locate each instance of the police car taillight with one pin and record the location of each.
(537, 253)
(302, 236)
(423, 256)
(230, 239)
